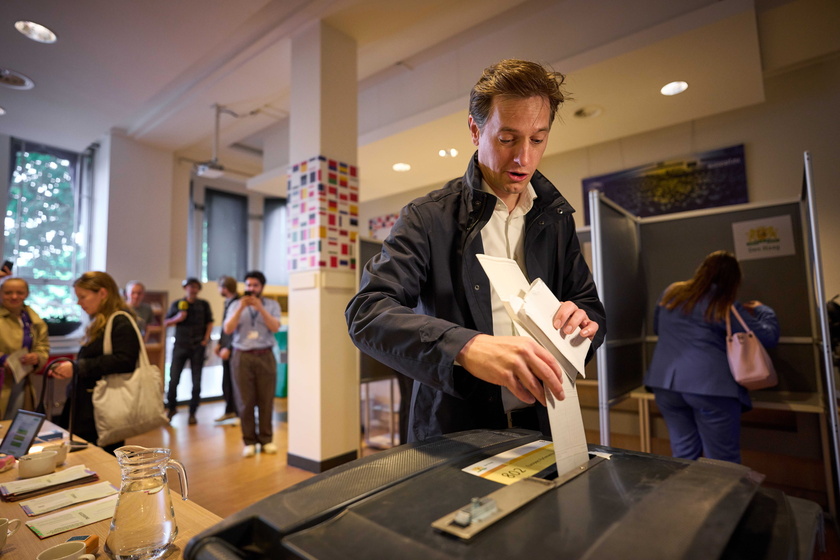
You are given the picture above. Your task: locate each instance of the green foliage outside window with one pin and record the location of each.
(41, 232)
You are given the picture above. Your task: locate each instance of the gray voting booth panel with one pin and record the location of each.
(631, 506)
(641, 257)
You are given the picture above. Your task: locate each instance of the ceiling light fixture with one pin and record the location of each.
(15, 80)
(36, 31)
(588, 112)
(401, 167)
(673, 88)
(451, 152)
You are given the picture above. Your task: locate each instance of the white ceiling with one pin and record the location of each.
(154, 68)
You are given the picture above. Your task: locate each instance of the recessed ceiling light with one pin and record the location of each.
(589, 112)
(15, 80)
(401, 167)
(673, 88)
(36, 31)
(451, 152)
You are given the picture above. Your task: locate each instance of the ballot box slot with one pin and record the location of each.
(483, 512)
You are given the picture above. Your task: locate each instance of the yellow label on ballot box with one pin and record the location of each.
(515, 464)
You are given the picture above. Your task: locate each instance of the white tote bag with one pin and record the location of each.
(128, 404)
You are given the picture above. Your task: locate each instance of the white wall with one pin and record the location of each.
(137, 211)
(801, 112)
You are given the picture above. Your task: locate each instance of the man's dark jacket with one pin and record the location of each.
(425, 296)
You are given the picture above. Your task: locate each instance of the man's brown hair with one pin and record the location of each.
(516, 78)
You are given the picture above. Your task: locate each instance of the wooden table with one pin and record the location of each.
(25, 545)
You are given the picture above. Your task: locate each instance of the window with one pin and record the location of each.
(275, 256)
(234, 230)
(225, 233)
(43, 225)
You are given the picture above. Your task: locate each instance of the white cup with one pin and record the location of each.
(73, 550)
(36, 464)
(60, 450)
(8, 527)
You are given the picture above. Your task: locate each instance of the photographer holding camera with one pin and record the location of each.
(253, 321)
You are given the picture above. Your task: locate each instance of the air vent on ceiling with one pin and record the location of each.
(15, 80)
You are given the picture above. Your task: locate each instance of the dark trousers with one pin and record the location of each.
(254, 383)
(180, 355)
(227, 388)
(701, 424)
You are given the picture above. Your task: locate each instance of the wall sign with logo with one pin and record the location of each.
(763, 239)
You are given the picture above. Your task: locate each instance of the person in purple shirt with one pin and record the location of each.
(689, 373)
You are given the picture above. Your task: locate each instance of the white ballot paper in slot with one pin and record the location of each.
(532, 308)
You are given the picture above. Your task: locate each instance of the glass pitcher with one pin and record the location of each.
(144, 519)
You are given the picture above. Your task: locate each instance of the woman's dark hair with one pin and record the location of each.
(515, 78)
(718, 277)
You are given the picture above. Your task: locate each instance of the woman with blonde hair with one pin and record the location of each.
(20, 327)
(689, 372)
(99, 296)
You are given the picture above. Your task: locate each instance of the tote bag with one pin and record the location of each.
(748, 360)
(128, 404)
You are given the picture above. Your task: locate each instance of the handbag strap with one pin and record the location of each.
(740, 320)
(107, 346)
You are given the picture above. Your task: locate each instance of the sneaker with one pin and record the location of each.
(193, 420)
(249, 451)
(269, 448)
(226, 416)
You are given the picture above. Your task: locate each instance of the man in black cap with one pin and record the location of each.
(193, 320)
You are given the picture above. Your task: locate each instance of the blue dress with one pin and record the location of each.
(689, 374)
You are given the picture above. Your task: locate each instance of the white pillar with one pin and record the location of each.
(323, 224)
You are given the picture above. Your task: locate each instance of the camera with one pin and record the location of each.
(8, 266)
(249, 293)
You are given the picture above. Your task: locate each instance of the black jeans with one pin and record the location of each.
(227, 388)
(180, 355)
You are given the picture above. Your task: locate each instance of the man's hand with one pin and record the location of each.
(570, 316)
(251, 301)
(175, 319)
(515, 362)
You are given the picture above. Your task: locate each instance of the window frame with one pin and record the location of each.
(82, 170)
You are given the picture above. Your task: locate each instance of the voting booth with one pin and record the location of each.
(635, 259)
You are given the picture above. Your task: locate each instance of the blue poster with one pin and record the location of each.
(706, 180)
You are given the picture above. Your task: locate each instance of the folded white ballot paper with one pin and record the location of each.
(532, 307)
(18, 369)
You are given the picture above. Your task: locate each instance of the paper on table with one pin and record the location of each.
(17, 489)
(532, 309)
(74, 518)
(66, 498)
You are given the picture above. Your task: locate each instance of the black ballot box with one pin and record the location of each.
(621, 504)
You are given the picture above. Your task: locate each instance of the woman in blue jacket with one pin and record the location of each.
(689, 373)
